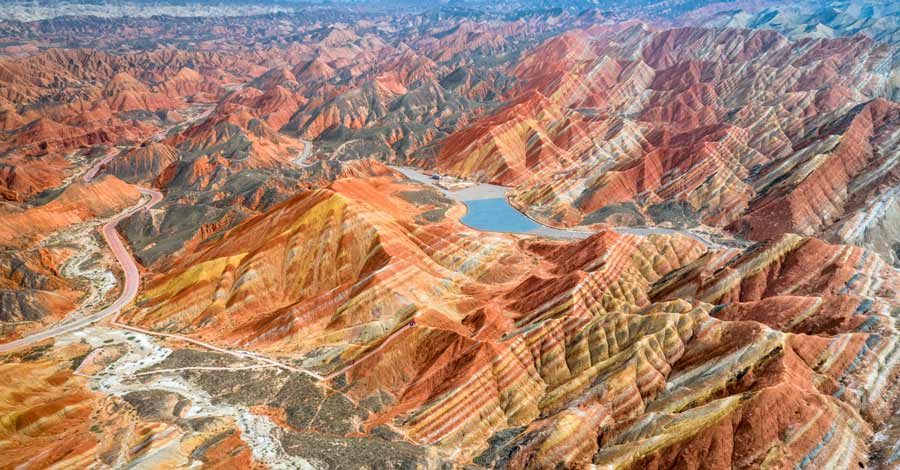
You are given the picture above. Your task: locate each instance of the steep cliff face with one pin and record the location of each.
(235, 134)
(354, 109)
(832, 306)
(125, 93)
(189, 84)
(874, 225)
(517, 141)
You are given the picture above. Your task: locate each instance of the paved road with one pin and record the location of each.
(480, 191)
(307, 149)
(132, 285)
(129, 267)
(159, 136)
(92, 171)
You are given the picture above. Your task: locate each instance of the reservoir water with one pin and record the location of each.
(489, 211)
(496, 215)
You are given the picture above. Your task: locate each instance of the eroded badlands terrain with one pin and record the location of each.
(222, 246)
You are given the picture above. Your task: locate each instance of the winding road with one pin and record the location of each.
(93, 170)
(129, 267)
(132, 285)
(132, 276)
(307, 150)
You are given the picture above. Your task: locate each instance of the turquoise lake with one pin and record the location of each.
(496, 215)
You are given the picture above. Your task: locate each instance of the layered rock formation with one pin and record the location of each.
(77, 203)
(634, 125)
(31, 289)
(22, 178)
(305, 305)
(143, 163)
(60, 422)
(617, 350)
